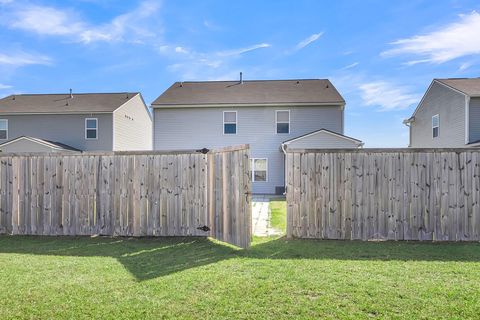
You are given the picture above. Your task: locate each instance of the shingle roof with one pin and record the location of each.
(62, 103)
(250, 92)
(469, 86)
(53, 144)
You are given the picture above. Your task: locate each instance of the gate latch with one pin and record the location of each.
(204, 150)
(204, 228)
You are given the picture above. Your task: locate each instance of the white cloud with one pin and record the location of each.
(449, 42)
(236, 52)
(350, 66)
(193, 65)
(302, 44)
(211, 25)
(52, 21)
(19, 59)
(387, 96)
(181, 50)
(465, 66)
(4, 86)
(45, 20)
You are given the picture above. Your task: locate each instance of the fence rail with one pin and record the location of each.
(125, 193)
(384, 194)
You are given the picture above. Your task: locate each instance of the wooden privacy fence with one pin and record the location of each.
(378, 194)
(178, 193)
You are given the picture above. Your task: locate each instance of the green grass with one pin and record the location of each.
(278, 218)
(118, 278)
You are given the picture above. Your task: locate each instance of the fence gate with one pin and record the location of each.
(157, 193)
(229, 195)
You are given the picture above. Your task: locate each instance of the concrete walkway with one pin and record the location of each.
(261, 216)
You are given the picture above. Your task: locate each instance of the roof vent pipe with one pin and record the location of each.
(241, 77)
(71, 94)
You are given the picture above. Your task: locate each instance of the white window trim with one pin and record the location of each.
(236, 123)
(276, 121)
(6, 120)
(253, 169)
(96, 129)
(438, 126)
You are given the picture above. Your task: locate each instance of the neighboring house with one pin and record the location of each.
(264, 114)
(448, 116)
(74, 122)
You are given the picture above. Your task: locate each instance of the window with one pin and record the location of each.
(283, 121)
(435, 126)
(229, 122)
(259, 170)
(3, 129)
(91, 128)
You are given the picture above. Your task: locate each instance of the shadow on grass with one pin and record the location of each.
(148, 258)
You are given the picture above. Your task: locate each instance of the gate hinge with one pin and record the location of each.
(204, 228)
(204, 150)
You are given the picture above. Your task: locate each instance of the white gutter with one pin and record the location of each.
(467, 119)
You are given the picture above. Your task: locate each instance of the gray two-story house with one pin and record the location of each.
(266, 114)
(74, 122)
(448, 116)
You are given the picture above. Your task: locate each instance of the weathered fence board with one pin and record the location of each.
(128, 194)
(229, 205)
(383, 194)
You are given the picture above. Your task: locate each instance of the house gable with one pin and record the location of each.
(132, 126)
(31, 144)
(322, 139)
(450, 105)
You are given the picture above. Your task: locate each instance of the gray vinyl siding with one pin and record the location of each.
(474, 120)
(450, 106)
(323, 140)
(68, 129)
(132, 126)
(195, 128)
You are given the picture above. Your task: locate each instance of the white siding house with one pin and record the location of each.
(263, 114)
(85, 122)
(448, 116)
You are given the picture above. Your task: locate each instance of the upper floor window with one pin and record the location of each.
(91, 128)
(3, 129)
(259, 170)
(435, 125)
(229, 122)
(282, 119)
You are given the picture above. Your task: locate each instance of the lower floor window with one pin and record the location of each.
(259, 170)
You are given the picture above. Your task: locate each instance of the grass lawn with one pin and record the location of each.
(42, 277)
(278, 218)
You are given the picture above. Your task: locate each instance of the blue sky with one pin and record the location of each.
(381, 55)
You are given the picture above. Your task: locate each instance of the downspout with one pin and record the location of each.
(284, 168)
(408, 122)
(467, 119)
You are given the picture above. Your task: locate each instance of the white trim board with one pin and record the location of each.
(226, 105)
